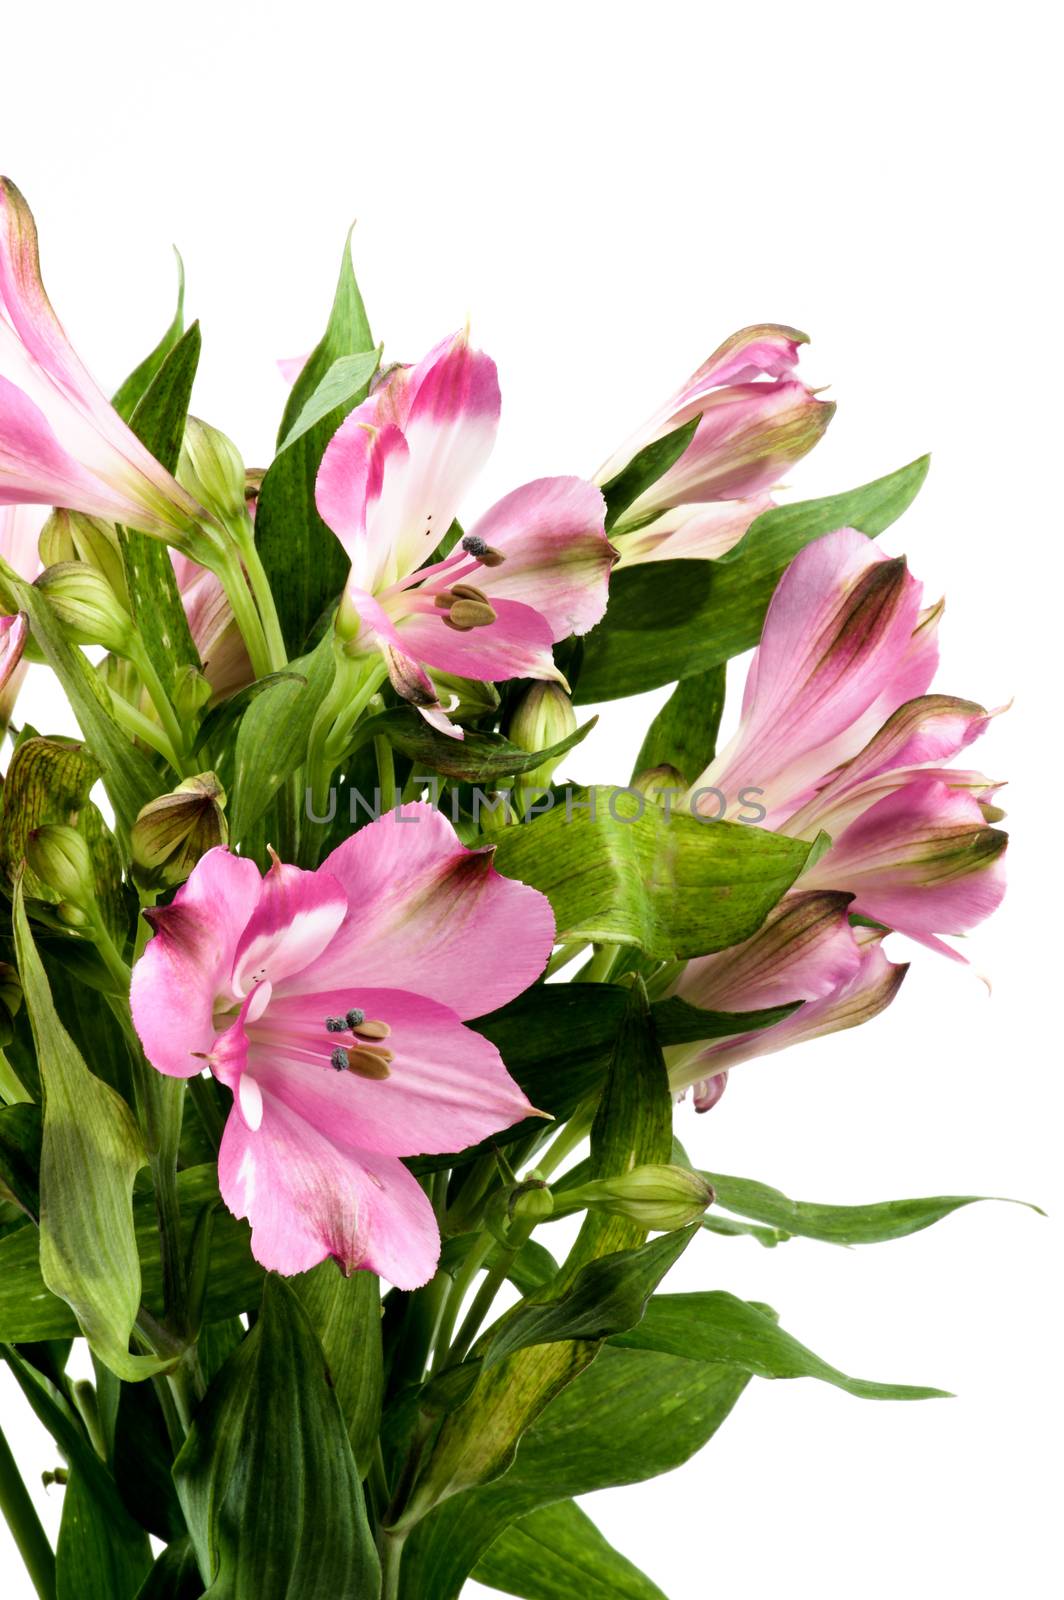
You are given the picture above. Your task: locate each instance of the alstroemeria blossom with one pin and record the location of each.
(805, 950)
(838, 735)
(532, 570)
(61, 441)
(20, 528)
(219, 642)
(756, 420)
(332, 1004)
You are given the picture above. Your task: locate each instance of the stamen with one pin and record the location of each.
(355, 1018)
(372, 1030)
(367, 1062)
(480, 550)
(338, 1059)
(338, 1024)
(465, 615)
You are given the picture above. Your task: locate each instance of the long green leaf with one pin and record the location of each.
(29, 1312)
(684, 732)
(644, 469)
(175, 1575)
(95, 1559)
(305, 562)
(341, 386)
(673, 886)
(130, 392)
(716, 1327)
(266, 1477)
(557, 1552)
(631, 1415)
(671, 619)
(844, 1225)
(478, 758)
(346, 1316)
(90, 1154)
(272, 738)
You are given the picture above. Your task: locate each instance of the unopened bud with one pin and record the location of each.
(172, 832)
(465, 700)
(531, 1201)
(211, 470)
(10, 1001)
(85, 604)
(544, 717)
(659, 782)
(71, 536)
(659, 1198)
(60, 857)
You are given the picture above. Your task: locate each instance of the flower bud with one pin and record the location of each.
(70, 536)
(544, 717)
(172, 832)
(59, 856)
(211, 469)
(531, 1201)
(658, 782)
(10, 1001)
(465, 700)
(659, 1198)
(85, 604)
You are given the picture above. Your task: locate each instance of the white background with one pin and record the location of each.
(608, 191)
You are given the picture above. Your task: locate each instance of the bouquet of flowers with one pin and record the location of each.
(346, 991)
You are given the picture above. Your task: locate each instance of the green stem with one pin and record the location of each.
(600, 966)
(143, 728)
(391, 1557)
(164, 709)
(561, 958)
(460, 1285)
(37, 1554)
(230, 574)
(267, 609)
(496, 1275)
(573, 1134)
(385, 773)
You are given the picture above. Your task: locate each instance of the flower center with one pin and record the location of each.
(367, 1056)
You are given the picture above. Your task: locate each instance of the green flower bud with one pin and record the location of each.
(60, 857)
(659, 1198)
(70, 536)
(531, 1201)
(10, 1001)
(465, 700)
(660, 784)
(85, 604)
(544, 717)
(172, 832)
(211, 469)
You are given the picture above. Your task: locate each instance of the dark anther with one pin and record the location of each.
(337, 1024)
(355, 1018)
(338, 1059)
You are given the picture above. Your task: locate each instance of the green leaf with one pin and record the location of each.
(154, 598)
(631, 1415)
(478, 1440)
(670, 619)
(477, 758)
(345, 1313)
(557, 1552)
(175, 1575)
(684, 732)
(304, 560)
(128, 776)
(20, 1154)
(128, 395)
(716, 1327)
(627, 874)
(29, 1312)
(90, 1153)
(266, 1477)
(844, 1225)
(645, 468)
(271, 741)
(343, 385)
(95, 1560)
(677, 1022)
(607, 1296)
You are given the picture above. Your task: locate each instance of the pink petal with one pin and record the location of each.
(432, 917)
(693, 532)
(34, 467)
(841, 619)
(308, 1198)
(13, 632)
(558, 558)
(291, 366)
(293, 923)
(804, 950)
(867, 992)
(516, 645)
(20, 532)
(188, 961)
(448, 1086)
(921, 860)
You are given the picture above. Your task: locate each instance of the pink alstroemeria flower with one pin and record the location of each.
(805, 951)
(838, 735)
(20, 528)
(13, 631)
(331, 1003)
(61, 441)
(694, 532)
(532, 570)
(757, 420)
(219, 642)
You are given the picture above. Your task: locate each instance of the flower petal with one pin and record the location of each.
(558, 559)
(295, 919)
(308, 1198)
(432, 917)
(187, 963)
(693, 532)
(803, 951)
(448, 1086)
